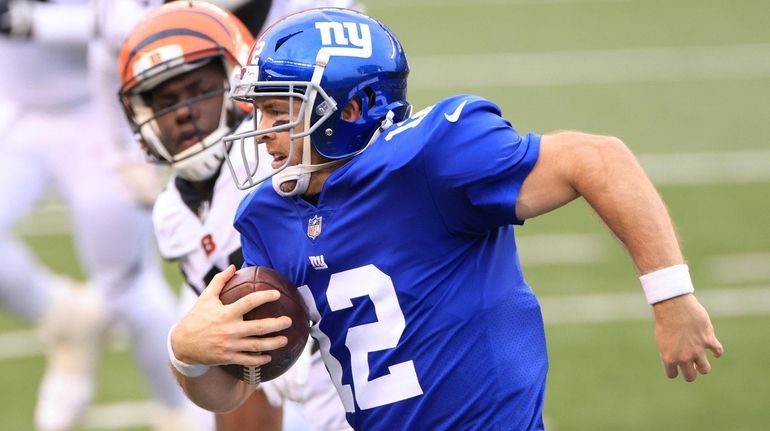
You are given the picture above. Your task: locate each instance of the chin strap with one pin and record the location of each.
(301, 173)
(203, 160)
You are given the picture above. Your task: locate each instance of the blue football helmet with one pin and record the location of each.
(325, 58)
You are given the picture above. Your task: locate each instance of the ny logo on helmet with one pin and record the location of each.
(256, 51)
(346, 39)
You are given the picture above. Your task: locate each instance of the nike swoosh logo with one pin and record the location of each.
(454, 116)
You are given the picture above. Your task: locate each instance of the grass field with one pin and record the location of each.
(687, 86)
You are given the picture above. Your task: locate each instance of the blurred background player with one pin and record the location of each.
(174, 69)
(62, 130)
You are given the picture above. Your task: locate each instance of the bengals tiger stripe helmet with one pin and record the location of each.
(174, 39)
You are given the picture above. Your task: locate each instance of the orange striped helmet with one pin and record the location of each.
(175, 39)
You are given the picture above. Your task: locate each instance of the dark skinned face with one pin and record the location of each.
(188, 106)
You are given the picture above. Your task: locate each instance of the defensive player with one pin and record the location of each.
(57, 137)
(174, 69)
(398, 230)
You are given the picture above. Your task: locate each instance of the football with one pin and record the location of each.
(256, 278)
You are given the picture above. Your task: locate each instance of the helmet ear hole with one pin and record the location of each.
(352, 111)
(371, 96)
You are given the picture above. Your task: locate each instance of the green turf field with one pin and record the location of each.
(687, 86)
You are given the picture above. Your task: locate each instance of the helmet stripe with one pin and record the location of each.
(165, 34)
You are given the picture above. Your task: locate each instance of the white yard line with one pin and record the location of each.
(120, 415)
(742, 166)
(740, 268)
(506, 69)
(50, 217)
(26, 343)
(34, 227)
(20, 344)
(612, 307)
(565, 248)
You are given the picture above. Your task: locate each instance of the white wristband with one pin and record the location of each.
(667, 283)
(185, 369)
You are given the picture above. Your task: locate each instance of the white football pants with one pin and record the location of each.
(64, 150)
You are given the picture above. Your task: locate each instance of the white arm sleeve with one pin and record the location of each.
(69, 23)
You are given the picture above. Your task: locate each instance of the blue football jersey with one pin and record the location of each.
(409, 266)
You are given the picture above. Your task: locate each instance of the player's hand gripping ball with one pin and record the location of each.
(257, 278)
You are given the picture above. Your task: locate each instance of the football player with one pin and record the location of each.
(57, 136)
(398, 229)
(175, 67)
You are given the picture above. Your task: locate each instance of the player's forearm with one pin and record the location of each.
(610, 178)
(210, 387)
(215, 391)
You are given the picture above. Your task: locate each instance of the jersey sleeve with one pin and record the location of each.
(252, 255)
(476, 164)
(253, 252)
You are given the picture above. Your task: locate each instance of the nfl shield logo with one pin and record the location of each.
(314, 227)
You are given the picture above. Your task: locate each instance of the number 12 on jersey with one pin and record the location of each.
(402, 382)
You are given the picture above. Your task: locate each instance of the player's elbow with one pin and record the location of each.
(614, 146)
(612, 154)
(615, 155)
(212, 404)
(597, 160)
(601, 149)
(215, 392)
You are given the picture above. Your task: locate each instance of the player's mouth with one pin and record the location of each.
(186, 141)
(278, 161)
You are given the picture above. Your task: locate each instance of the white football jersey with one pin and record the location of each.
(201, 246)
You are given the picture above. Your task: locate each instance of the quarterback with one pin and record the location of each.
(398, 228)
